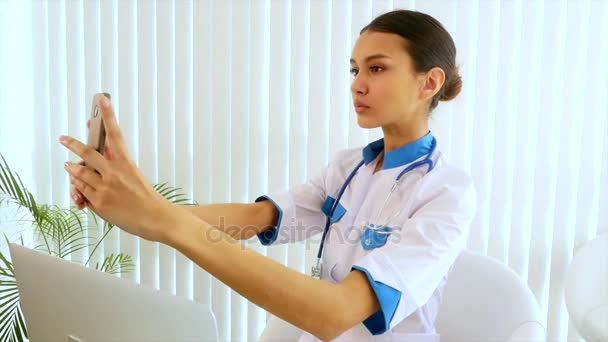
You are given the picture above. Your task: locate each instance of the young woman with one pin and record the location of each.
(396, 215)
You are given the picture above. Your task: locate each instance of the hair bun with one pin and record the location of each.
(452, 89)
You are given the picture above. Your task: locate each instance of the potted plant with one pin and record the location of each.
(59, 232)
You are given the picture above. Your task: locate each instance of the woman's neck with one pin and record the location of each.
(397, 136)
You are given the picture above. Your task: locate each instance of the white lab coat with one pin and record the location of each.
(408, 272)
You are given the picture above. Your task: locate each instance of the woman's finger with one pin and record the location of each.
(84, 188)
(114, 136)
(85, 174)
(79, 200)
(88, 154)
(81, 205)
(84, 204)
(76, 195)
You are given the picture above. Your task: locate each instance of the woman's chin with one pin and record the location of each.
(367, 122)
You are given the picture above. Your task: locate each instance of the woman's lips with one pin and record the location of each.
(361, 109)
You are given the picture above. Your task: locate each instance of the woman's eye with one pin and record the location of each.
(354, 71)
(374, 69)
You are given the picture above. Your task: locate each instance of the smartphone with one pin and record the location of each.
(97, 132)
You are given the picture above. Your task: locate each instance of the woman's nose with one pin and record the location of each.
(358, 86)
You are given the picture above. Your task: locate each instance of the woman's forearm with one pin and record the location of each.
(319, 307)
(240, 221)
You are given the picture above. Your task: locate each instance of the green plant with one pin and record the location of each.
(59, 232)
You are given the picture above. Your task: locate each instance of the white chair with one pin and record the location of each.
(483, 301)
(586, 289)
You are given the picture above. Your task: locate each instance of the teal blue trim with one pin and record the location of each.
(270, 235)
(388, 298)
(400, 156)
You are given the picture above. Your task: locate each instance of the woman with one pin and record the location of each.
(397, 213)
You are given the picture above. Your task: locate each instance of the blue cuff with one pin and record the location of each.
(270, 235)
(388, 298)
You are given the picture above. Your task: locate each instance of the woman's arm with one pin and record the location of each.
(240, 221)
(324, 309)
(120, 194)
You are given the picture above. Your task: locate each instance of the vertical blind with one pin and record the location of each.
(231, 99)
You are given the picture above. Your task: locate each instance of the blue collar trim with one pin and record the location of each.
(401, 156)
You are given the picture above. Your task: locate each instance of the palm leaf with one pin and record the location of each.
(43, 227)
(12, 186)
(107, 227)
(60, 230)
(12, 323)
(173, 194)
(7, 317)
(67, 231)
(20, 325)
(119, 263)
(8, 271)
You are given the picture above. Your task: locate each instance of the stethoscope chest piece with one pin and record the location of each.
(375, 236)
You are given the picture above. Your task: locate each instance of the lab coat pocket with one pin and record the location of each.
(338, 211)
(375, 236)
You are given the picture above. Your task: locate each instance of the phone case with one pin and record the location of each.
(97, 132)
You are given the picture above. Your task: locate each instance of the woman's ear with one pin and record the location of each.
(432, 81)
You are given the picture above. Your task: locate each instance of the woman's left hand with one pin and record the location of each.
(118, 192)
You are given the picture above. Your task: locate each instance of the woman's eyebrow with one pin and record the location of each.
(372, 57)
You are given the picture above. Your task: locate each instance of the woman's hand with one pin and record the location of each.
(118, 192)
(80, 201)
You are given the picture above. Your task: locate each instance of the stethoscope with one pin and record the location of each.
(383, 229)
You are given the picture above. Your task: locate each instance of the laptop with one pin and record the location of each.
(66, 302)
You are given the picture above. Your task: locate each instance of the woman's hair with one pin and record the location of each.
(428, 44)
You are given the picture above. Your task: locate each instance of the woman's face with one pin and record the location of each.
(385, 88)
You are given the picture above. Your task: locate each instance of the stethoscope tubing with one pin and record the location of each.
(378, 229)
